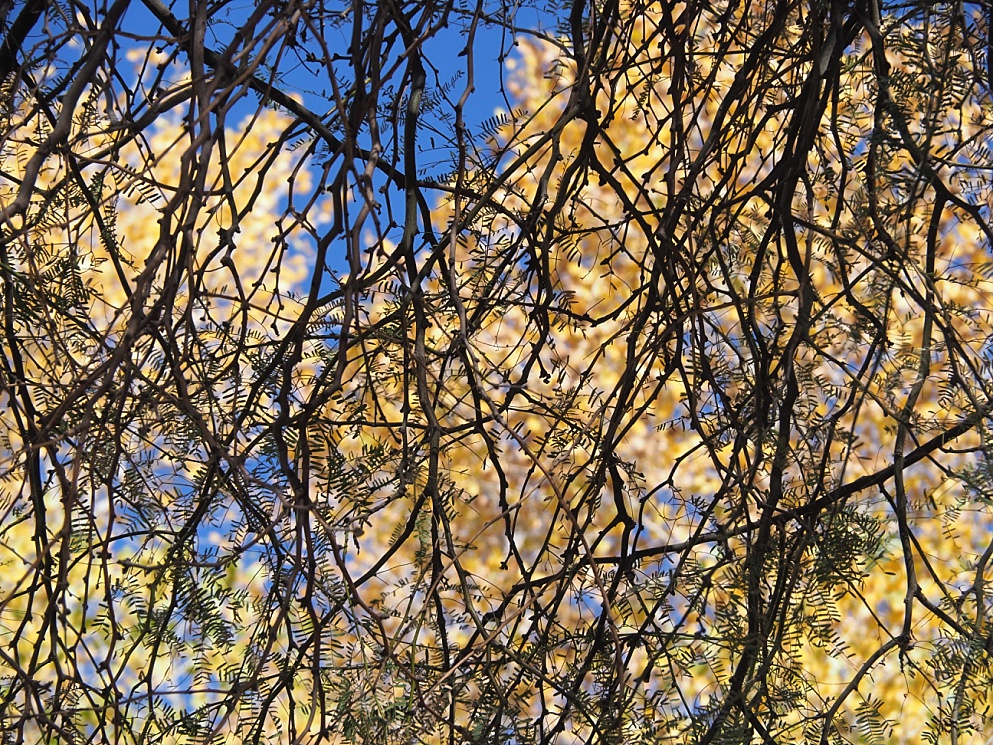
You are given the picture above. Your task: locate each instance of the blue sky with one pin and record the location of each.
(446, 68)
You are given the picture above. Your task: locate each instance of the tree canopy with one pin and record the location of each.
(471, 372)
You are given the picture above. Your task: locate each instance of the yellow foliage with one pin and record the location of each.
(665, 422)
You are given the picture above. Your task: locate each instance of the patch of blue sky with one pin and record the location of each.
(318, 74)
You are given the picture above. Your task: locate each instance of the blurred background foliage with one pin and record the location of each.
(457, 372)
